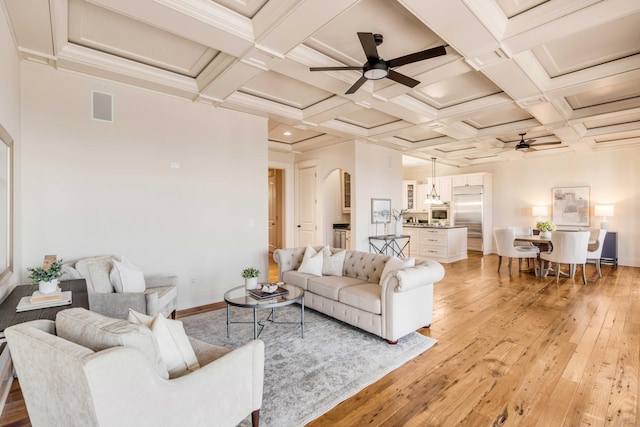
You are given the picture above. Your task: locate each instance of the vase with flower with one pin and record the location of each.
(397, 217)
(545, 228)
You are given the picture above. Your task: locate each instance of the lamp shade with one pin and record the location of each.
(604, 210)
(540, 211)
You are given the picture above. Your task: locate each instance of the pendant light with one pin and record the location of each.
(433, 198)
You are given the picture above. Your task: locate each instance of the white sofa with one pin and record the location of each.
(400, 304)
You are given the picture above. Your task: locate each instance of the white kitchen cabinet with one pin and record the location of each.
(443, 188)
(440, 244)
(469, 179)
(443, 185)
(409, 195)
(421, 195)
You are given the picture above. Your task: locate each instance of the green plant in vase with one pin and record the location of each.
(47, 279)
(250, 275)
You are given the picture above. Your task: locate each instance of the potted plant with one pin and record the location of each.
(250, 275)
(545, 228)
(47, 279)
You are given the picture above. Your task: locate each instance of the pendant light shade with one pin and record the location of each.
(433, 198)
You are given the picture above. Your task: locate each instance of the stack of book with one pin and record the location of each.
(39, 300)
(271, 290)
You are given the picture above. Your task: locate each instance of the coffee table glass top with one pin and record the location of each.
(240, 297)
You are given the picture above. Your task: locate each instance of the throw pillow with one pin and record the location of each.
(97, 332)
(312, 262)
(126, 277)
(396, 263)
(175, 349)
(332, 264)
(96, 273)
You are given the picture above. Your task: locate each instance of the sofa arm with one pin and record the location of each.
(226, 390)
(288, 259)
(420, 275)
(156, 280)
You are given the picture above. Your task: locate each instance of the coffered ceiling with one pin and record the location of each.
(566, 72)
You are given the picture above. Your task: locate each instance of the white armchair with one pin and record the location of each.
(108, 376)
(505, 238)
(160, 295)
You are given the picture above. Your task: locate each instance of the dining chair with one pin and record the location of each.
(594, 250)
(505, 238)
(568, 248)
(523, 231)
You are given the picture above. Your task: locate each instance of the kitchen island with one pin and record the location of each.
(443, 244)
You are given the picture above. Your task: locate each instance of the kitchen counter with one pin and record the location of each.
(443, 244)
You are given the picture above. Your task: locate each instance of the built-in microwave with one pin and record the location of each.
(440, 213)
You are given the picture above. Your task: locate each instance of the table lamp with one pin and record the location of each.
(604, 211)
(540, 211)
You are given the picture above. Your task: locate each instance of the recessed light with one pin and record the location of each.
(287, 133)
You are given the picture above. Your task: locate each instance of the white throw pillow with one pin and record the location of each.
(126, 277)
(312, 262)
(396, 263)
(175, 349)
(332, 264)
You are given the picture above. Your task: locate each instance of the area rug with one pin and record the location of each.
(306, 377)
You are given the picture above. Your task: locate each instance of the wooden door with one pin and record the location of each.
(273, 211)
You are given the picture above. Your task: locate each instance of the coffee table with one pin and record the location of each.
(240, 297)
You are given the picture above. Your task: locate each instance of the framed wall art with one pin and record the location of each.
(571, 206)
(380, 211)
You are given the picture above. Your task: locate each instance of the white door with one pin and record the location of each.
(306, 206)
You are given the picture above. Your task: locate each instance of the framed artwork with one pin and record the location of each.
(380, 211)
(571, 206)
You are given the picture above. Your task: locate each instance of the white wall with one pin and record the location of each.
(91, 187)
(378, 175)
(612, 175)
(10, 120)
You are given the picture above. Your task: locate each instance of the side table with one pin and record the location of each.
(9, 317)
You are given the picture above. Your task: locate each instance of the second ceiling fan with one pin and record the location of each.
(377, 68)
(529, 145)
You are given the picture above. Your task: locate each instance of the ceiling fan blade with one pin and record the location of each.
(368, 45)
(401, 78)
(334, 68)
(418, 56)
(546, 143)
(356, 85)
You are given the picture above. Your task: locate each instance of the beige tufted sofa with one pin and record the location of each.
(401, 304)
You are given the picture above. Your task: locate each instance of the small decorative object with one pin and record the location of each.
(250, 275)
(47, 279)
(397, 217)
(545, 228)
(269, 287)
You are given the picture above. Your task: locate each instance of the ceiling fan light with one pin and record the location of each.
(522, 147)
(376, 71)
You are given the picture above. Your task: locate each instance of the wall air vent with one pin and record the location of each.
(102, 106)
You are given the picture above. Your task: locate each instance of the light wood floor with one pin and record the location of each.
(512, 351)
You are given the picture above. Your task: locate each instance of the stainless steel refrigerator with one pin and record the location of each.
(467, 212)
